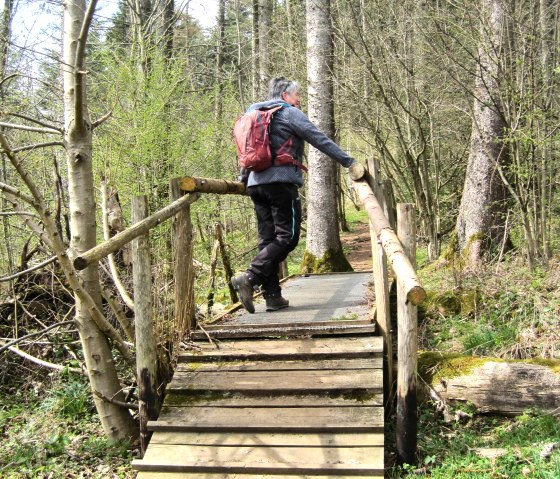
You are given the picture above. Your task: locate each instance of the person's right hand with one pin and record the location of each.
(356, 171)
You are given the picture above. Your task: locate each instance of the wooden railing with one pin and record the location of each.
(388, 248)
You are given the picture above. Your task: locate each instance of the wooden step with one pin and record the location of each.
(289, 349)
(256, 399)
(358, 460)
(213, 475)
(267, 419)
(281, 365)
(279, 382)
(319, 328)
(268, 439)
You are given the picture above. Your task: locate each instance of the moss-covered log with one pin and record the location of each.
(493, 385)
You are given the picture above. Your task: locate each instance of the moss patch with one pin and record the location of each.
(462, 302)
(434, 366)
(332, 261)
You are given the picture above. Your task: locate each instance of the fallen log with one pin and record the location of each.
(493, 385)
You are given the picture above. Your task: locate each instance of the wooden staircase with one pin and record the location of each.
(272, 407)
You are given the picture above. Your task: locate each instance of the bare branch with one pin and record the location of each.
(17, 213)
(29, 270)
(33, 120)
(38, 145)
(46, 364)
(16, 192)
(107, 236)
(9, 77)
(127, 405)
(101, 120)
(79, 64)
(37, 333)
(59, 249)
(49, 131)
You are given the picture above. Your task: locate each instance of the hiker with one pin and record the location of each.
(274, 191)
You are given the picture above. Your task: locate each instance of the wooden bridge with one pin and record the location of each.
(292, 393)
(295, 393)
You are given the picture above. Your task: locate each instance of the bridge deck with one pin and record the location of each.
(291, 407)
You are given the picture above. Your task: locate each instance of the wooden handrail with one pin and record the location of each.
(116, 242)
(400, 263)
(191, 184)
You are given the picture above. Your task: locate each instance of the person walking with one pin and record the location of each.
(275, 195)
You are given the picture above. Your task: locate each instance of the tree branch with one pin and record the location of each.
(46, 364)
(59, 249)
(29, 270)
(37, 333)
(17, 193)
(33, 120)
(128, 405)
(79, 64)
(49, 131)
(38, 145)
(101, 120)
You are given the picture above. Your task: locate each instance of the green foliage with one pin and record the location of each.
(447, 450)
(58, 435)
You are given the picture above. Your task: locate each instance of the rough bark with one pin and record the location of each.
(323, 250)
(255, 51)
(146, 357)
(265, 42)
(116, 421)
(493, 385)
(480, 225)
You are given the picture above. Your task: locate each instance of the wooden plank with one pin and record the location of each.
(282, 365)
(278, 381)
(213, 475)
(288, 349)
(268, 439)
(316, 330)
(365, 460)
(228, 399)
(248, 326)
(277, 419)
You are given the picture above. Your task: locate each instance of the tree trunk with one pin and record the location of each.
(255, 52)
(480, 225)
(165, 11)
(265, 32)
(323, 250)
(116, 421)
(220, 58)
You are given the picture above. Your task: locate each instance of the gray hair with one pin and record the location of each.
(279, 85)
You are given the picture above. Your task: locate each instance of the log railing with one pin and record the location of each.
(388, 247)
(399, 248)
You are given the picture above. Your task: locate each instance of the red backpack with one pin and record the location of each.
(252, 138)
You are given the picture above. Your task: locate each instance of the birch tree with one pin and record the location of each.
(323, 248)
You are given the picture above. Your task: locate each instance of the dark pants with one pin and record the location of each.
(278, 209)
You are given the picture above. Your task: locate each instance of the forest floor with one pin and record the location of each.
(49, 429)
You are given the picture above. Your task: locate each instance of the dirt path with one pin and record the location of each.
(358, 246)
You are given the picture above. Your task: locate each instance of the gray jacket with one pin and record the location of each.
(292, 122)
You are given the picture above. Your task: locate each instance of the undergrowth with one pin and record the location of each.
(485, 447)
(50, 430)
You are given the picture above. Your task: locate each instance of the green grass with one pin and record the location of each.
(446, 449)
(55, 433)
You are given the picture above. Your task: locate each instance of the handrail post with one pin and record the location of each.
(146, 357)
(407, 345)
(183, 271)
(381, 285)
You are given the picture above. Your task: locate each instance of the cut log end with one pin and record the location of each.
(187, 183)
(416, 295)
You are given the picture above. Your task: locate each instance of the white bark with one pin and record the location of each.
(322, 223)
(116, 421)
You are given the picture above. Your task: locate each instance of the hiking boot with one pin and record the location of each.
(276, 303)
(244, 287)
